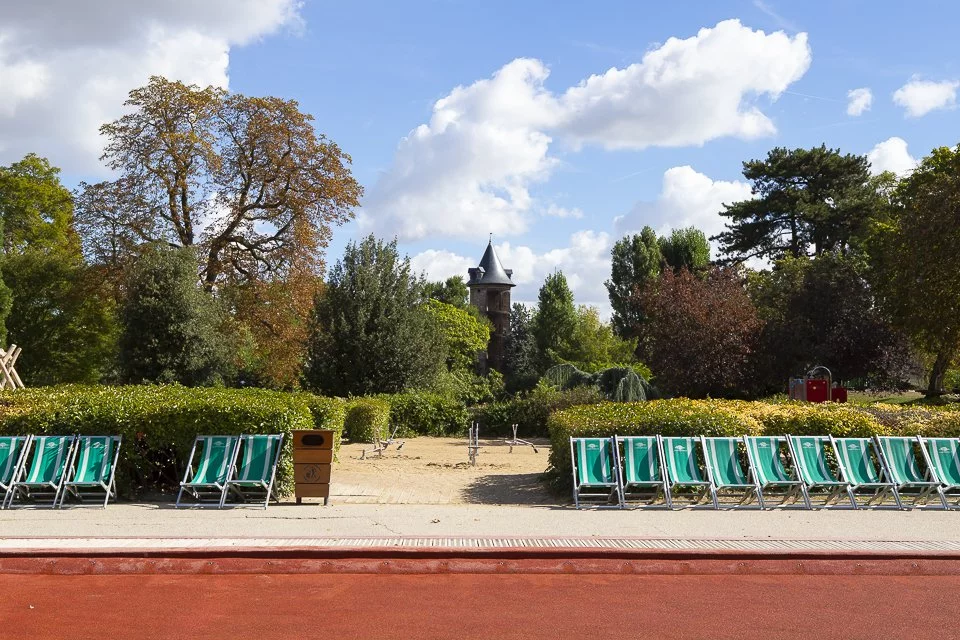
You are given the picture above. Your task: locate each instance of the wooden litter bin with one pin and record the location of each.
(312, 460)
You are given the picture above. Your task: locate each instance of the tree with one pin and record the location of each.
(452, 291)
(245, 180)
(635, 260)
(171, 328)
(686, 249)
(369, 330)
(916, 271)
(594, 345)
(555, 320)
(823, 311)
(701, 333)
(520, 351)
(35, 209)
(464, 334)
(809, 201)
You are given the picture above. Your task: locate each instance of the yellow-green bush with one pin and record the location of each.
(366, 419)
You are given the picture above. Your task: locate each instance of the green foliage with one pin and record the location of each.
(621, 384)
(36, 211)
(530, 411)
(158, 424)
(951, 381)
(464, 334)
(683, 417)
(809, 201)
(520, 351)
(686, 249)
(593, 344)
(555, 320)
(62, 317)
(6, 303)
(171, 328)
(367, 419)
(327, 413)
(635, 260)
(452, 291)
(370, 332)
(427, 414)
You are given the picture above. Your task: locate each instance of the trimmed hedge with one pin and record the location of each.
(531, 412)
(427, 414)
(158, 424)
(366, 418)
(683, 417)
(327, 413)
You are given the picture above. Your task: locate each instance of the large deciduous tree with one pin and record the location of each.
(635, 260)
(521, 369)
(555, 320)
(686, 249)
(369, 331)
(917, 272)
(451, 291)
(808, 201)
(245, 180)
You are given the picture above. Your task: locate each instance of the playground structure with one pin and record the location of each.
(9, 379)
(817, 386)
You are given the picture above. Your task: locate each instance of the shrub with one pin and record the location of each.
(430, 414)
(158, 424)
(367, 418)
(531, 411)
(327, 413)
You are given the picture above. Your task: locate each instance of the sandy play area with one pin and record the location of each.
(436, 471)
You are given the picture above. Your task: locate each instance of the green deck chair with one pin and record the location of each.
(726, 473)
(943, 457)
(13, 455)
(856, 459)
(683, 469)
(92, 469)
(257, 459)
(642, 469)
(43, 477)
(208, 484)
(595, 471)
(769, 472)
(810, 455)
(900, 460)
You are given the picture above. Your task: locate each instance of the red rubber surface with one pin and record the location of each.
(486, 606)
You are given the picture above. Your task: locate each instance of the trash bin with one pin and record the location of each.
(312, 460)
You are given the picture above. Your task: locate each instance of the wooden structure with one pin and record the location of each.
(8, 372)
(312, 462)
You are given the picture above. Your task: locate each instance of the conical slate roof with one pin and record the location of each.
(490, 270)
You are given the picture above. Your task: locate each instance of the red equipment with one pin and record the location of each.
(815, 387)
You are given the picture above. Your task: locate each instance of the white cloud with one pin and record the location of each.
(470, 169)
(440, 265)
(556, 211)
(891, 155)
(687, 198)
(860, 101)
(920, 97)
(62, 78)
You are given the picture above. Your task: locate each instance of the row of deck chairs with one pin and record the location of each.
(46, 470)
(768, 470)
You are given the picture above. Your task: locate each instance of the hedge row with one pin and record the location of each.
(531, 412)
(159, 423)
(682, 417)
(367, 418)
(427, 414)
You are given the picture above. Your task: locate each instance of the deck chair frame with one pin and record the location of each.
(245, 489)
(650, 490)
(23, 487)
(212, 492)
(926, 487)
(673, 482)
(81, 490)
(597, 491)
(877, 491)
(945, 488)
(747, 490)
(834, 489)
(794, 487)
(13, 466)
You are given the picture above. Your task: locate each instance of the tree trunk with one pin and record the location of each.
(940, 365)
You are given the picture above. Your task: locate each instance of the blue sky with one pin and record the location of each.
(557, 170)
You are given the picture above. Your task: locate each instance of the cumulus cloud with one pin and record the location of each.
(859, 101)
(920, 97)
(62, 78)
(687, 198)
(891, 155)
(471, 169)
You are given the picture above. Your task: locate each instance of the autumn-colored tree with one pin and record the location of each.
(701, 333)
(245, 180)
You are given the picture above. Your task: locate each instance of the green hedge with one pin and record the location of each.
(366, 418)
(682, 417)
(158, 424)
(428, 414)
(327, 413)
(530, 412)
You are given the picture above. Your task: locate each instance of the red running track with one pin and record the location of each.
(527, 606)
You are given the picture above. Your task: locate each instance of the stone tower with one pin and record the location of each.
(490, 286)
